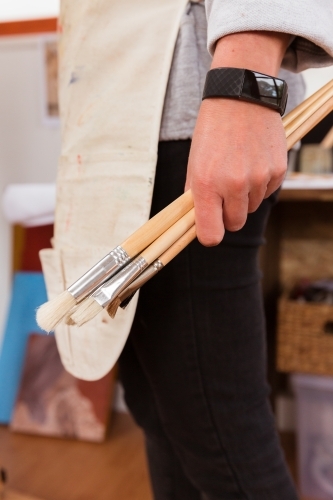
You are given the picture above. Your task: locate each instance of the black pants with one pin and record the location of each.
(194, 365)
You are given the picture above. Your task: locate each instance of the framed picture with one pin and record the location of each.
(51, 402)
(49, 80)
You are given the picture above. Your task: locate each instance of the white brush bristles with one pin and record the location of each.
(51, 313)
(86, 311)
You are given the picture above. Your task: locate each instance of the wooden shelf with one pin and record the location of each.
(306, 195)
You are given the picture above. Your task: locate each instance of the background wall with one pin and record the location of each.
(21, 9)
(29, 148)
(316, 78)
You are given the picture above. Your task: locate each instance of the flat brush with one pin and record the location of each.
(52, 312)
(107, 292)
(124, 298)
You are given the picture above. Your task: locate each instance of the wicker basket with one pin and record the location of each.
(305, 337)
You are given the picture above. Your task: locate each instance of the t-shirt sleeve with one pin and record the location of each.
(309, 21)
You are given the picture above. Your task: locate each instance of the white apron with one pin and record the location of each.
(115, 57)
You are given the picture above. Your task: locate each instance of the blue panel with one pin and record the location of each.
(28, 293)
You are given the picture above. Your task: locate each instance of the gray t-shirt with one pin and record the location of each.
(191, 61)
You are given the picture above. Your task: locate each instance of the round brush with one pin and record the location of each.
(107, 292)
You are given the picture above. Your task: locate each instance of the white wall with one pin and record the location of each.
(29, 149)
(316, 78)
(23, 9)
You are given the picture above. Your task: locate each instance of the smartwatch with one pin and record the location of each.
(247, 85)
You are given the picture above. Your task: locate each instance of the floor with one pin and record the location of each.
(55, 469)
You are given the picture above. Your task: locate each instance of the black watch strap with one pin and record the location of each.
(247, 85)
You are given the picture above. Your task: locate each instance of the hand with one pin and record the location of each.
(239, 152)
(238, 157)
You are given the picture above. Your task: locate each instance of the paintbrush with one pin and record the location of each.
(308, 114)
(107, 292)
(126, 296)
(307, 103)
(51, 313)
(304, 123)
(311, 111)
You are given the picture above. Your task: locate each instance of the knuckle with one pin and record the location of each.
(260, 179)
(202, 186)
(238, 184)
(202, 182)
(280, 171)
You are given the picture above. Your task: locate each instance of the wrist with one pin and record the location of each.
(258, 51)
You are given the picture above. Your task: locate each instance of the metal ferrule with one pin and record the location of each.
(141, 280)
(99, 273)
(110, 290)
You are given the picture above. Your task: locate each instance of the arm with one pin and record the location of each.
(238, 154)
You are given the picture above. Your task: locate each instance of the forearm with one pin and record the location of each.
(256, 50)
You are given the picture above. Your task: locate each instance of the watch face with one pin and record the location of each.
(248, 85)
(267, 89)
(271, 90)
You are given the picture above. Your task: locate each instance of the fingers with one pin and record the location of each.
(279, 171)
(235, 206)
(228, 208)
(258, 191)
(208, 218)
(276, 181)
(225, 206)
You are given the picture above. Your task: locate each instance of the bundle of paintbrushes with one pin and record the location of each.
(115, 278)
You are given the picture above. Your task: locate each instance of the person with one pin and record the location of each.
(193, 368)
(194, 365)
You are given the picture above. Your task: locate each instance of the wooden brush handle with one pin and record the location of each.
(327, 142)
(295, 130)
(158, 224)
(307, 112)
(317, 115)
(165, 258)
(168, 238)
(178, 246)
(305, 104)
